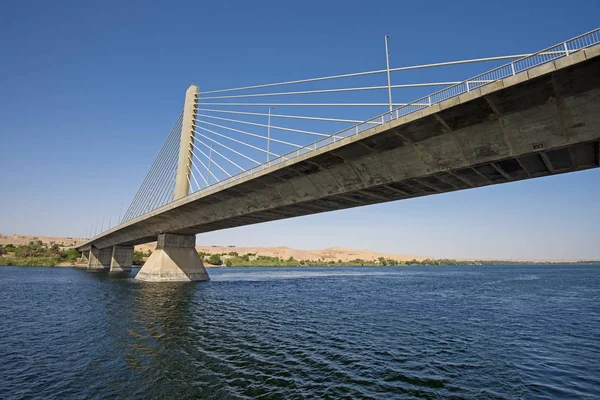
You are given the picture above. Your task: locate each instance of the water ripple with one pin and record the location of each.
(296, 333)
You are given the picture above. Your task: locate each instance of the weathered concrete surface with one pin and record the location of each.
(121, 259)
(540, 122)
(186, 143)
(174, 260)
(99, 259)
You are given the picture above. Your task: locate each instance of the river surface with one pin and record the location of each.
(483, 332)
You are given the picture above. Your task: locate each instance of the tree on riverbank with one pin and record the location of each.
(214, 259)
(139, 257)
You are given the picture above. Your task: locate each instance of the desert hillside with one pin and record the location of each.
(328, 254)
(20, 240)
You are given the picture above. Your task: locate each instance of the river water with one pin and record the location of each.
(292, 333)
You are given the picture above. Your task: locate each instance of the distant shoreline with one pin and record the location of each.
(499, 263)
(28, 250)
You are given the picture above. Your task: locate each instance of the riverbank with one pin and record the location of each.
(323, 255)
(38, 262)
(51, 263)
(37, 253)
(23, 250)
(233, 259)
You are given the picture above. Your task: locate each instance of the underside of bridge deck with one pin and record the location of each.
(541, 122)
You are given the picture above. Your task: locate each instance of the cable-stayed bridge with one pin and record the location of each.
(233, 158)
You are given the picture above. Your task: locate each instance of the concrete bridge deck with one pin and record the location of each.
(539, 122)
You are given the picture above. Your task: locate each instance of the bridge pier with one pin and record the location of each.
(121, 259)
(174, 260)
(99, 259)
(85, 256)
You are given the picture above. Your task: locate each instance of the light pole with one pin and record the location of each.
(120, 210)
(208, 167)
(387, 62)
(269, 136)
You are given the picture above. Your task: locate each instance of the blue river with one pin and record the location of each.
(480, 332)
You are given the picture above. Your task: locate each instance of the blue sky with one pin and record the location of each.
(91, 90)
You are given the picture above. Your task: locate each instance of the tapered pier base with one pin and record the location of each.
(121, 260)
(174, 260)
(99, 259)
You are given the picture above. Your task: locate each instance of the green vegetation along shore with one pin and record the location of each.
(36, 253)
(233, 259)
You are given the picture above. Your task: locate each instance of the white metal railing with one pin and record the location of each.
(552, 53)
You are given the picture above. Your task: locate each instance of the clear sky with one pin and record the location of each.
(91, 89)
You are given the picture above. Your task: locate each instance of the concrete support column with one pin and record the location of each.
(121, 259)
(182, 180)
(174, 260)
(99, 259)
(85, 256)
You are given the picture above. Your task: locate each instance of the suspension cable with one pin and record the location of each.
(199, 173)
(158, 164)
(238, 141)
(169, 174)
(158, 176)
(380, 71)
(168, 195)
(352, 121)
(306, 104)
(352, 89)
(187, 174)
(214, 162)
(158, 161)
(216, 151)
(250, 134)
(158, 189)
(281, 128)
(225, 146)
(167, 189)
(213, 175)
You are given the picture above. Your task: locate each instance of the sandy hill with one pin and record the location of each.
(19, 240)
(328, 254)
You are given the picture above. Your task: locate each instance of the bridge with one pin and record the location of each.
(537, 115)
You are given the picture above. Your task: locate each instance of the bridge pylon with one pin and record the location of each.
(175, 258)
(184, 166)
